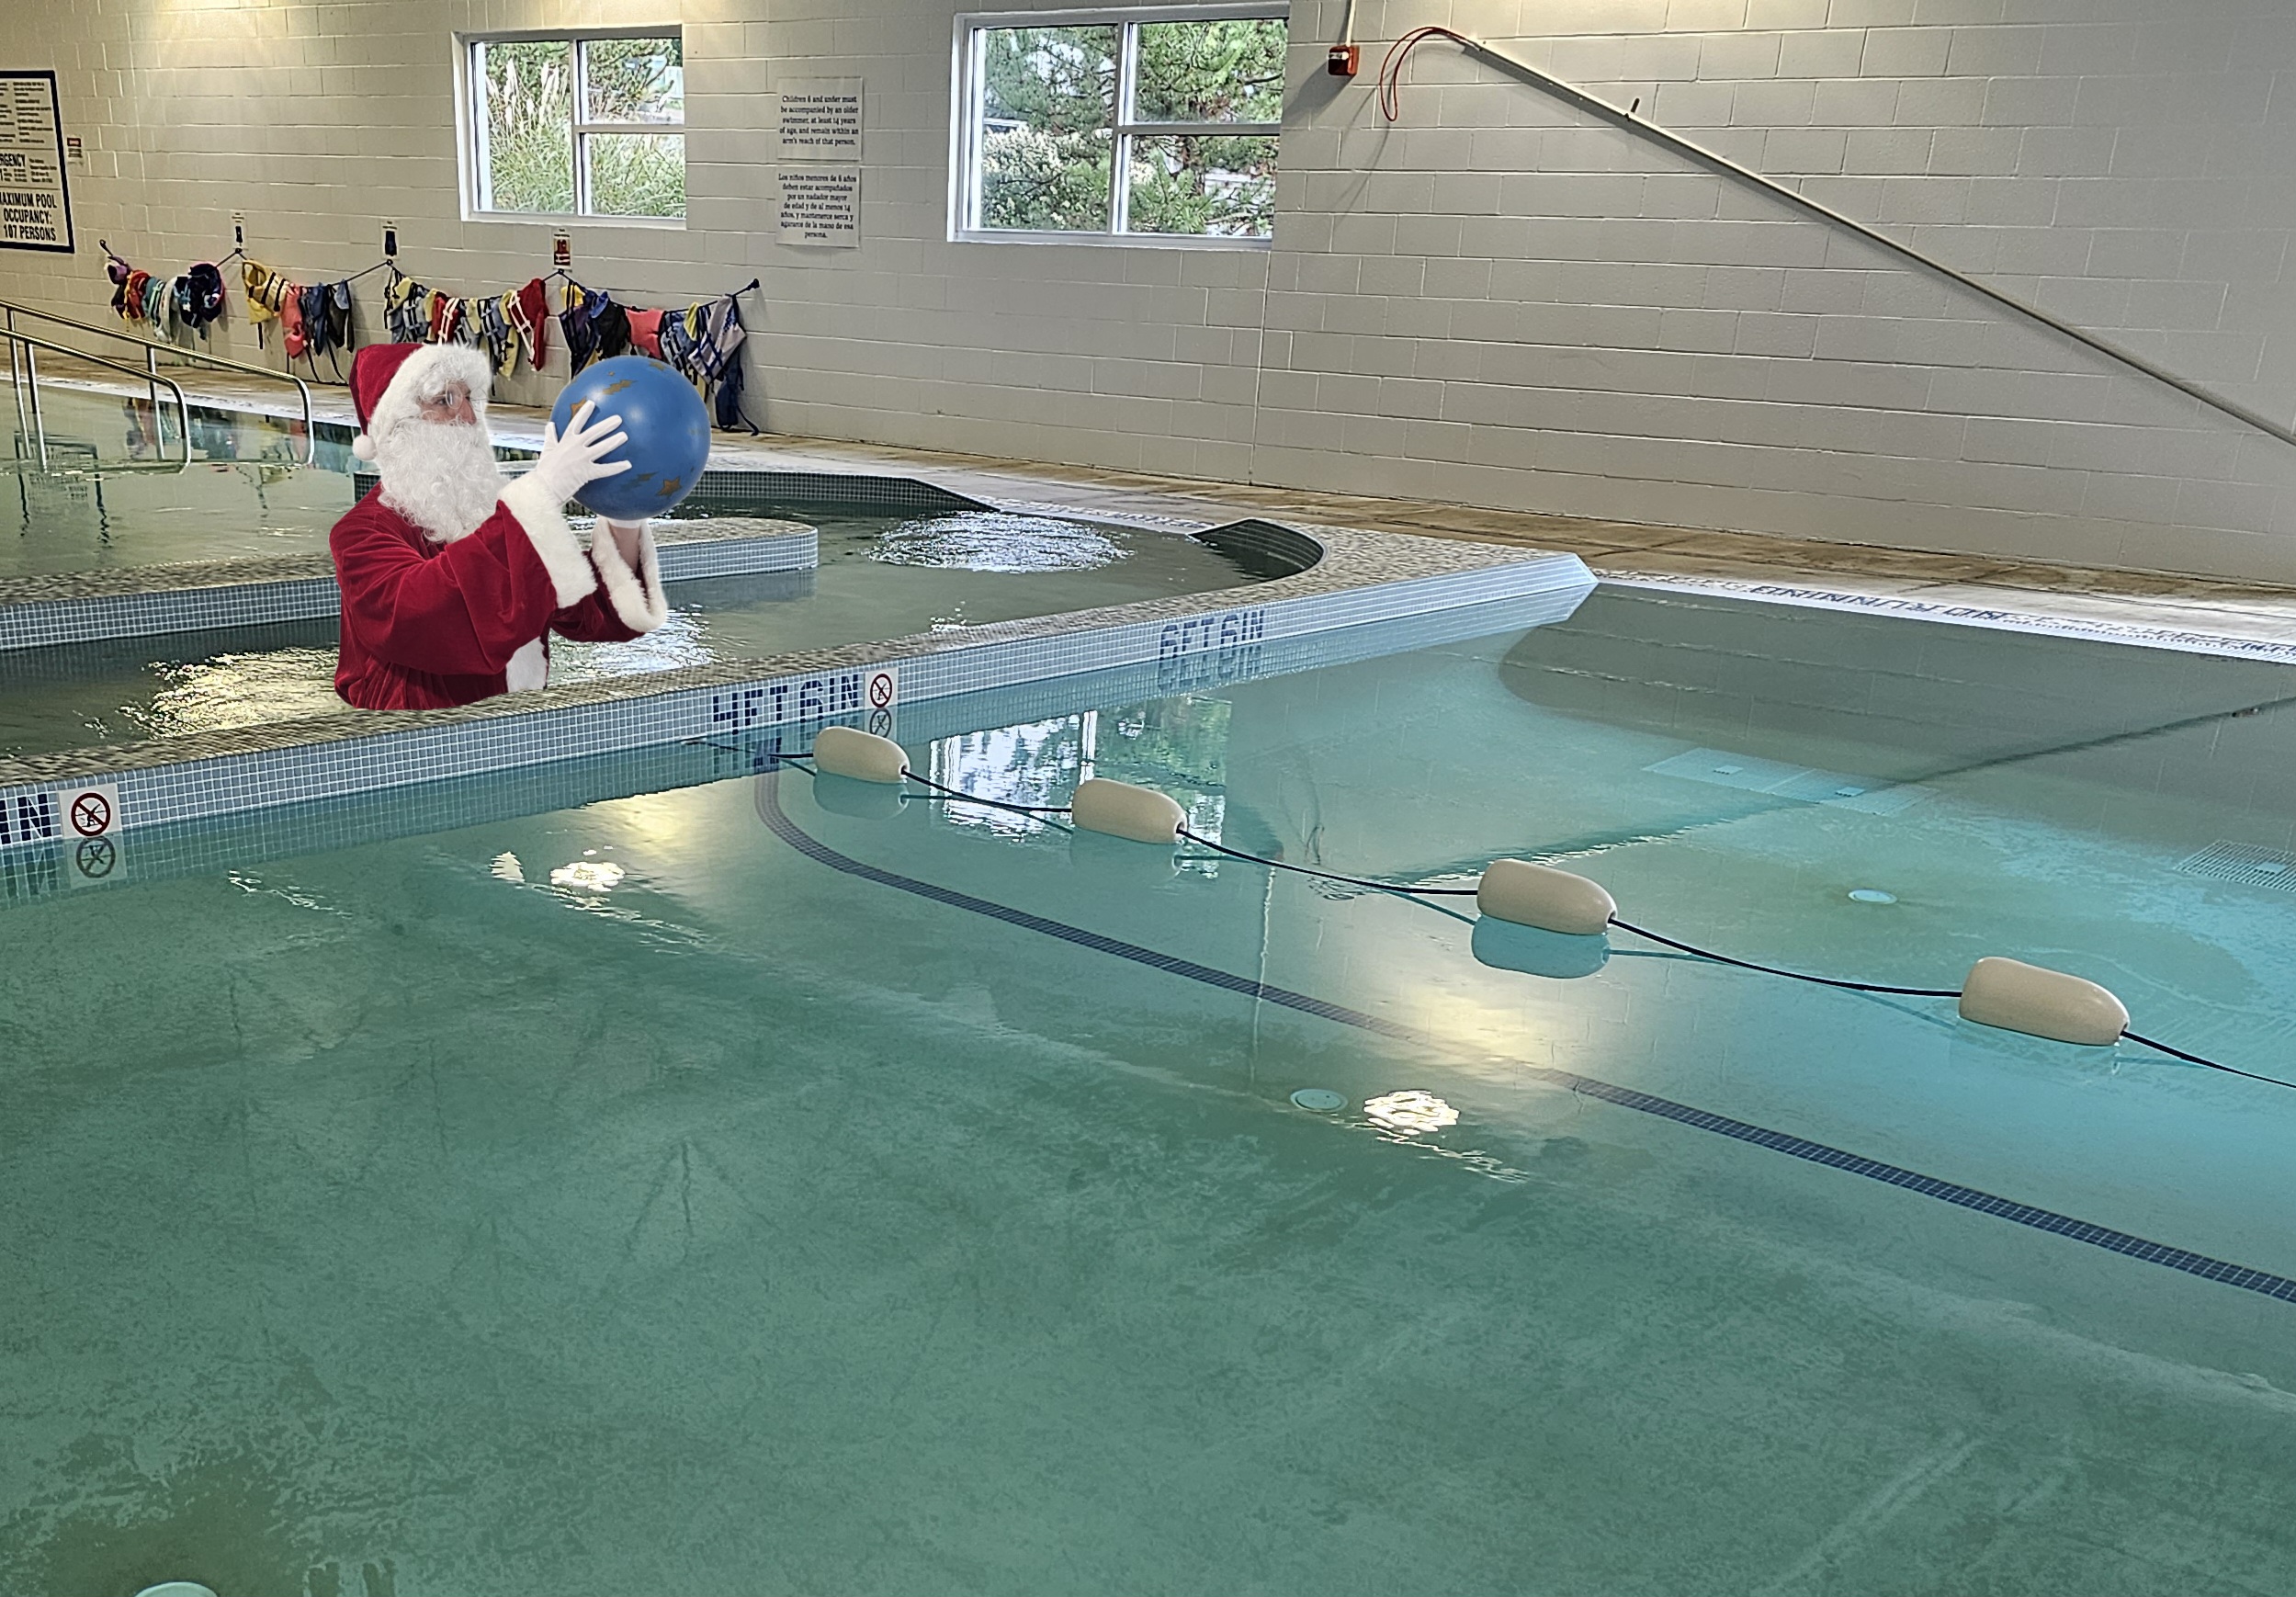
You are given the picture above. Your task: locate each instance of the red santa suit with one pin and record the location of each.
(431, 622)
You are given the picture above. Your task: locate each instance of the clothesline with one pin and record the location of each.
(239, 253)
(567, 277)
(699, 340)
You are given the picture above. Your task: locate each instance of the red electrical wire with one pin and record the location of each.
(1390, 80)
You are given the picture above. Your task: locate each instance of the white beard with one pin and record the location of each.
(442, 476)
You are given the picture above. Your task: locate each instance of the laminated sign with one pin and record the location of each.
(35, 209)
(821, 118)
(820, 205)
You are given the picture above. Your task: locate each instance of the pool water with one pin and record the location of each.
(880, 576)
(111, 493)
(715, 1189)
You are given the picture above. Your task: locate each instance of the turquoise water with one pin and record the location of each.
(880, 576)
(713, 1190)
(111, 493)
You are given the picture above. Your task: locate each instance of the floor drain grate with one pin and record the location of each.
(2244, 863)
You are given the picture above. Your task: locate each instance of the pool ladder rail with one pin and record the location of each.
(24, 374)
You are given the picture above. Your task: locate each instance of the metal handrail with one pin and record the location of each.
(30, 379)
(10, 311)
(1626, 119)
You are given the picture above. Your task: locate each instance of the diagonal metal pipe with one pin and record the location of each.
(1714, 160)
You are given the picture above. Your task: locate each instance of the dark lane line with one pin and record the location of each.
(2264, 1282)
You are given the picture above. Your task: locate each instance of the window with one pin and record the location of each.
(589, 126)
(1120, 124)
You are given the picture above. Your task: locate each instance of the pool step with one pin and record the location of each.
(138, 601)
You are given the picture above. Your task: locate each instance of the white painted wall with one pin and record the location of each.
(1493, 301)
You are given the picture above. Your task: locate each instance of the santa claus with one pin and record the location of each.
(453, 578)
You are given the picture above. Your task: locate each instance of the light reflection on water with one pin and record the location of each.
(589, 876)
(1411, 1111)
(237, 690)
(679, 640)
(1178, 746)
(998, 540)
(277, 685)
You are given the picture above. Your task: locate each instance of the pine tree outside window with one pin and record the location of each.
(1135, 125)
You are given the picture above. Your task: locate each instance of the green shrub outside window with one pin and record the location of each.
(580, 127)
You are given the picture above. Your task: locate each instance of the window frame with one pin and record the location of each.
(472, 123)
(969, 92)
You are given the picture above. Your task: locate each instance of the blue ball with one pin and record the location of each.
(669, 435)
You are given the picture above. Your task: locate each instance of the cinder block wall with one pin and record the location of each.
(1494, 300)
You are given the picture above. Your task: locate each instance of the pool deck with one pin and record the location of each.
(2188, 612)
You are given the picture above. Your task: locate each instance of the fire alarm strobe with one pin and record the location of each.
(1344, 61)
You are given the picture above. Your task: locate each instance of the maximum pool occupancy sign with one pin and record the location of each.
(35, 205)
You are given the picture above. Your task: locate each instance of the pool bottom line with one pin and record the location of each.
(2030, 1215)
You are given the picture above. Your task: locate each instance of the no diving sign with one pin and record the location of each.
(90, 812)
(882, 691)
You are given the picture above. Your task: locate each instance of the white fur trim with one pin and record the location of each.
(429, 368)
(529, 668)
(571, 577)
(637, 596)
(363, 447)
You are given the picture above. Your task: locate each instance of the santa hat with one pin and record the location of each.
(389, 382)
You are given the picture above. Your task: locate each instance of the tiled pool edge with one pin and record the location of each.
(35, 875)
(1364, 578)
(303, 588)
(1913, 606)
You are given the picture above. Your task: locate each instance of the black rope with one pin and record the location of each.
(992, 803)
(2207, 1064)
(624, 295)
(1790, 975)
(1033, 812)
(1400, 891)
(2190, 1058)
(1419, 893)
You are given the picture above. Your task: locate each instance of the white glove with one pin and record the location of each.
(569, 464)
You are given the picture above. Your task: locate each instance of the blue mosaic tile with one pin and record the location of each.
(1369, 592)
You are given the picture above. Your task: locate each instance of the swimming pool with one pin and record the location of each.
(708, 1188)
(881, 574)
(106, 495)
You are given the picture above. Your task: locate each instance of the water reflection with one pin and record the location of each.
(1177, 746)
(999, 541)
(237, 690)
(104, 481)
(1035, 763)
(588, 875)
(1410, 1112)
(683, 640)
